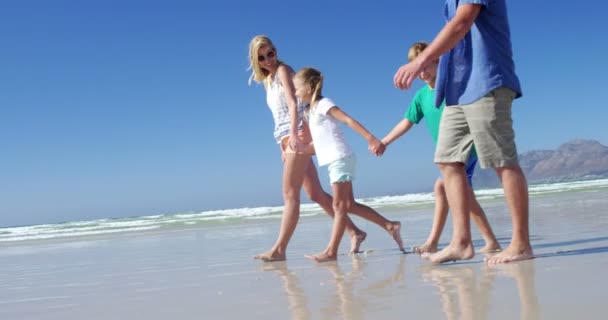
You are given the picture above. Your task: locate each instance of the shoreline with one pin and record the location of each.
(109, 228)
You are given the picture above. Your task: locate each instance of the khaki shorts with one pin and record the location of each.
(487, 123)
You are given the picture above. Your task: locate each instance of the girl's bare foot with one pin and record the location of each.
(453, 253)
(271, 255)
(425, 248)
(356, 240)
(322, 257)
(511, 254)
(394, 229)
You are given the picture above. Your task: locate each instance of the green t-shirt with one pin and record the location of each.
(423, 106)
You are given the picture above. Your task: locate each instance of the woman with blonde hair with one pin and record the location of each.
(292, 135)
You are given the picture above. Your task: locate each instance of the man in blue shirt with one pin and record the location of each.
(477, 79)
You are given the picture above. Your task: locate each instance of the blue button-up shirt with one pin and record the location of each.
(482, 61)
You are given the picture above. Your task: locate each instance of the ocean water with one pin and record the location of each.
(226, 216)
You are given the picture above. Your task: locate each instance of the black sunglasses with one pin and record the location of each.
(269, 55)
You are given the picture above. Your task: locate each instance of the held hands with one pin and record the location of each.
(299, 146)
(376, 147)
(294, 143)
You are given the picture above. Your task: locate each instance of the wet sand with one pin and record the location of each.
(209, 273)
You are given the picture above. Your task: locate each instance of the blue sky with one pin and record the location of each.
(128, 108)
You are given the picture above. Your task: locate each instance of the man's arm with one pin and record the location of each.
(445, 40)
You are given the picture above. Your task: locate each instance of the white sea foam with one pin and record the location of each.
(52, 235)
(190, 219)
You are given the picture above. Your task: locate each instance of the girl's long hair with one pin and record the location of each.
(313, 78)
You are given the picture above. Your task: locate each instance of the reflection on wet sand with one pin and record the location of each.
(344, 304)
(396, 278)
(296, 298)
(465, 292)
(523, 272)
(458, 290)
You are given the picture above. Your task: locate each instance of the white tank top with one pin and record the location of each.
(277, 102)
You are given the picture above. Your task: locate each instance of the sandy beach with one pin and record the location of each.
(209, 273)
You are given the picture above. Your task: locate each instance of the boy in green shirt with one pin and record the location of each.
(423, 106)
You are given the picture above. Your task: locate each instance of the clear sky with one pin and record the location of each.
(127, 108)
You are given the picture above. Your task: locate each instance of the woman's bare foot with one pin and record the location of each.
(511, 254)
(394, 229)
(490, 247)
(322, 257)
(425, 248)
(453, 253)
(271, 255)
(356, 240)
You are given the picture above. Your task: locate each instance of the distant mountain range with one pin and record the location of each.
(575, 160)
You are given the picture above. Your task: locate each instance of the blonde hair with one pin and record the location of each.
(415, 50)
(259, 74)
(313, 78)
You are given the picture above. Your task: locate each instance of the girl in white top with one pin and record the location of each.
(324, 119)
(291, 134)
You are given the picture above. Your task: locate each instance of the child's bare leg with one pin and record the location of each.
(481, 221)
(457, 191)
(342, 199)
(439, 217)
(356, 239)
(315, 192)
(369, 214)
(293, 175)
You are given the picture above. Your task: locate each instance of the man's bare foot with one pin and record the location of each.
(356, 240)
(425, 248)
(270, 256)
(490, 247)
(394, 229)
(453, 253)
(322, 257)
(511, 254)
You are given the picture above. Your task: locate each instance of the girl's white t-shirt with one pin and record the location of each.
(327, 135)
